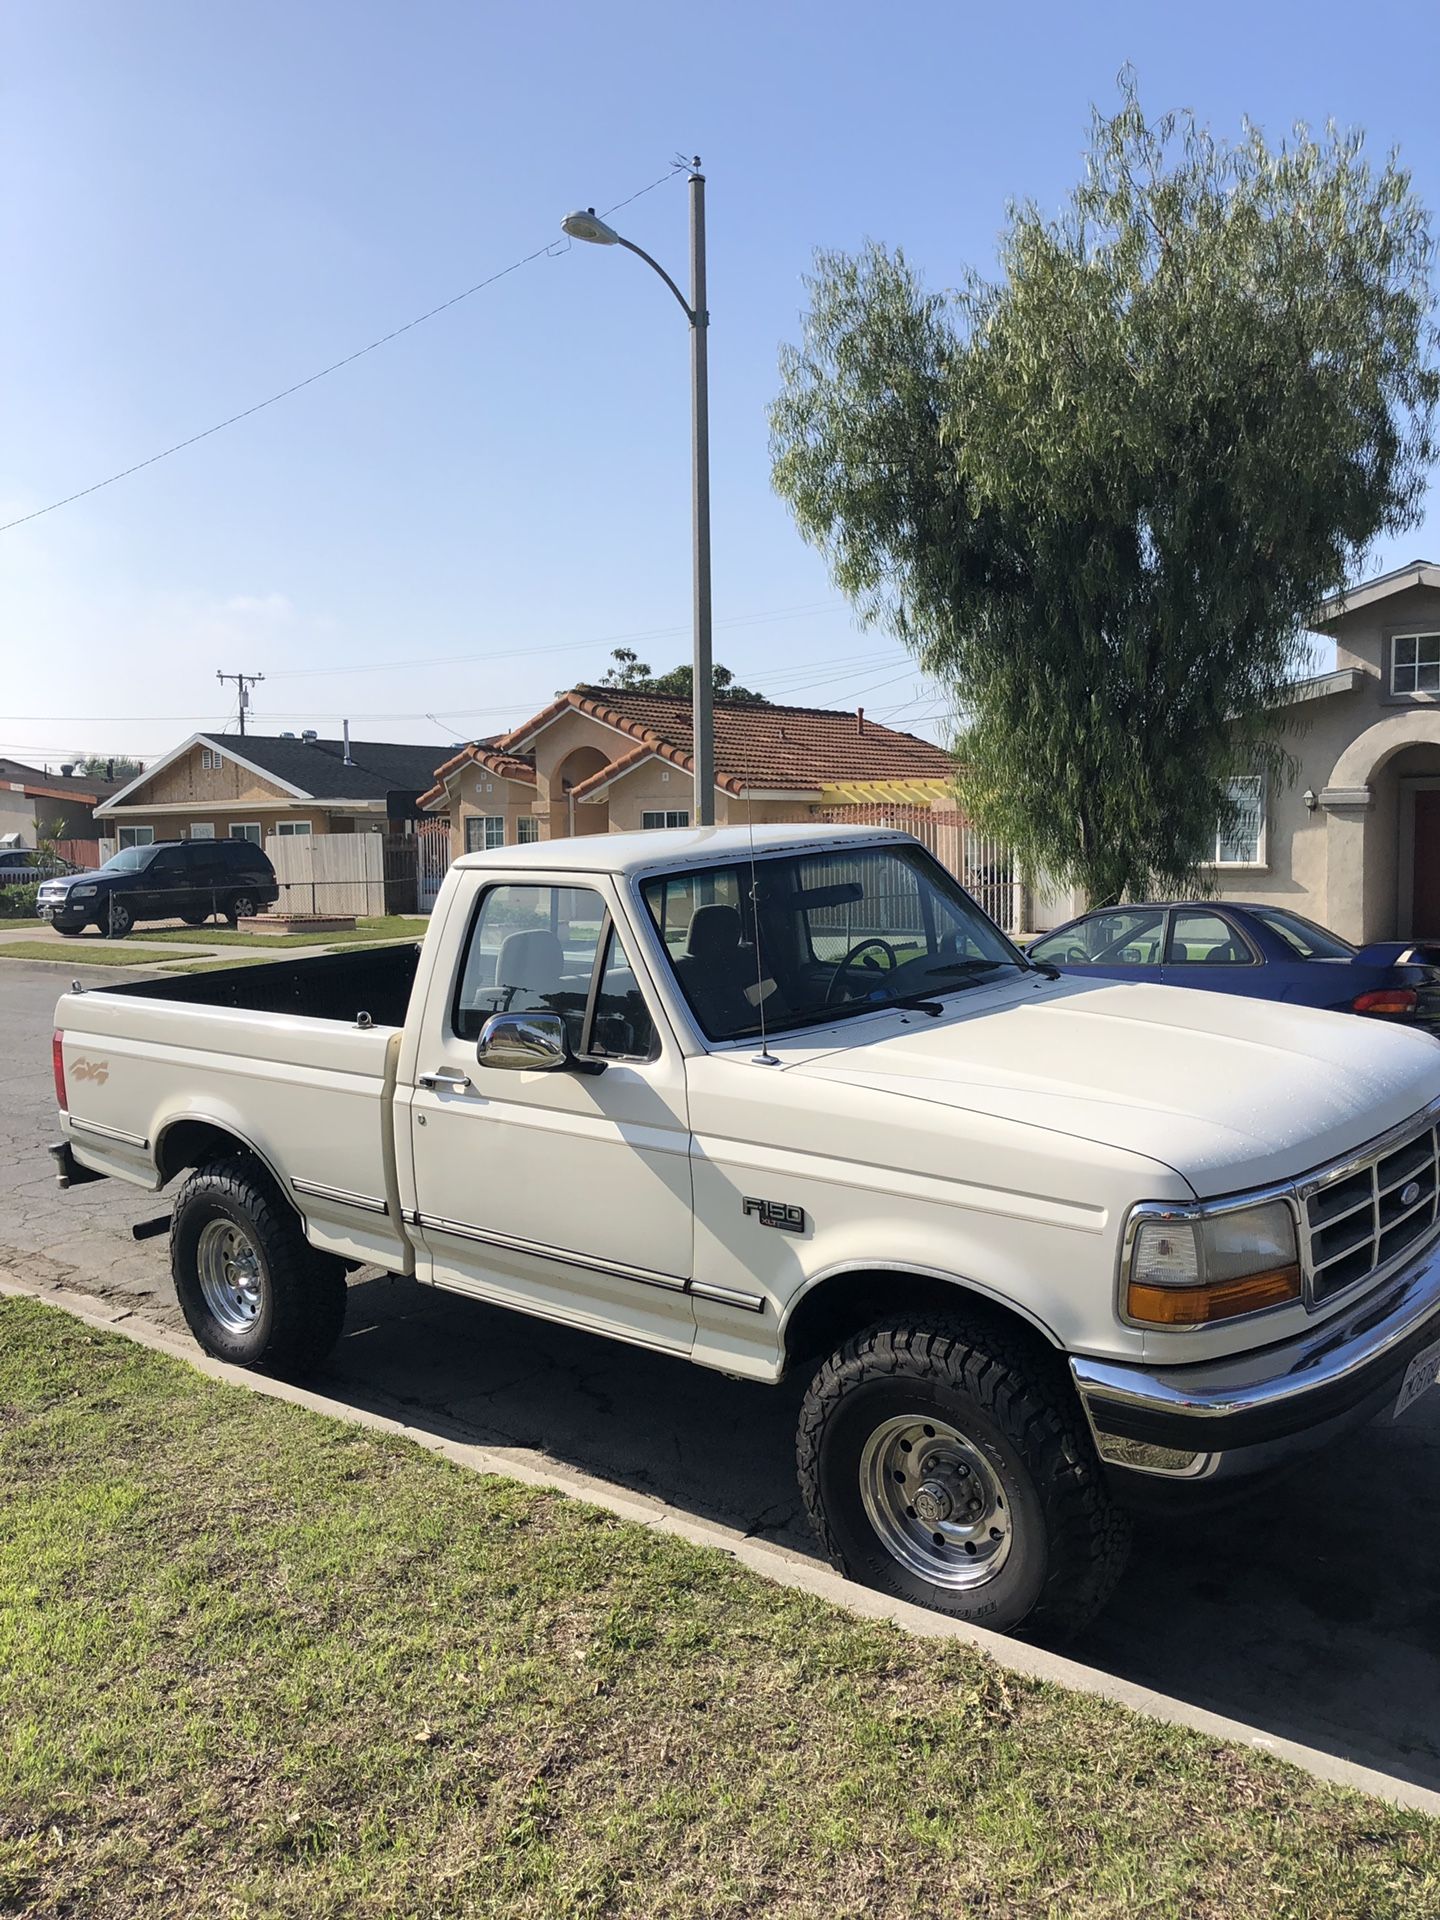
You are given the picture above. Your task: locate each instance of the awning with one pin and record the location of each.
(901, 793)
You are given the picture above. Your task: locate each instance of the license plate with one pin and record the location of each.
(1421, 1374)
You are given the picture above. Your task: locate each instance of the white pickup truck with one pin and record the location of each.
(790, 1101)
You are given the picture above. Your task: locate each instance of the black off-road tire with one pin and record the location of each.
(194, 919)
(1011, 1399)
(302, 1291)
(70, 933)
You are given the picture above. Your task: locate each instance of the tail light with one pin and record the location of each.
(57, 1061)
(1392, 1000)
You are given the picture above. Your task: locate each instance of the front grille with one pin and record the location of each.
(1362, 1216)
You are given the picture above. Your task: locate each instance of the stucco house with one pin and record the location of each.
(36, 803)
(249, 786)
(1354, 840)
(603, 759)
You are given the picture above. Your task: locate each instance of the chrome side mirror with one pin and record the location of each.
(523, 1042)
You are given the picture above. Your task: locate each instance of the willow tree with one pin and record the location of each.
(1099, 495)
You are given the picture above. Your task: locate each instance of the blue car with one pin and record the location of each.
(1266, 952)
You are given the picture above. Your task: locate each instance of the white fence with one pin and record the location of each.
(329, 872)
(982, 865)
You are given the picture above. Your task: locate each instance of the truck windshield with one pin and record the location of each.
(817, 937)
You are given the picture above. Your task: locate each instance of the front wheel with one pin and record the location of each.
(949, 1464)
(252, 1288)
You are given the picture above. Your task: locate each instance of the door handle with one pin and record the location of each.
(445, 1077)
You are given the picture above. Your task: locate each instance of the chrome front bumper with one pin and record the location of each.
(1264, 1405)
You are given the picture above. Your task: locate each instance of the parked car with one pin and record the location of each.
(185, 880)
(1264, 952)
(790, 1103)
(21, 864)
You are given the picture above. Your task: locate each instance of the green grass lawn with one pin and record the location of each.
(8, 927)
(391, 927)
(255, 1662)
(103, 954)
(220, 966)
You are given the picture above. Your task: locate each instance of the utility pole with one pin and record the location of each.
(244, 682)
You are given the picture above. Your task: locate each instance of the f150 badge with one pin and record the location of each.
(778, 1214)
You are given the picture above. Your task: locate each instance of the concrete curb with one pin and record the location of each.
(779, 1564)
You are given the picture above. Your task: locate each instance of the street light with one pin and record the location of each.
(587, 225)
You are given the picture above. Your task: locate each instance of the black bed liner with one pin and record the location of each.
(328, 986)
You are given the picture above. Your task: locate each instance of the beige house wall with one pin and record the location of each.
(176, 826)
(186, 780)
(474, 792)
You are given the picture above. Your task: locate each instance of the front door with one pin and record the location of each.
(564, 1193)
(1425, 911)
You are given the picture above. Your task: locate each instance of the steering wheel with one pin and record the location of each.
(852, 958)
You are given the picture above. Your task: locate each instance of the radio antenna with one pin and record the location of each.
(764, 1058)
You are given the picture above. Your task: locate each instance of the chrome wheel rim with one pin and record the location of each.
(243, 907)
(231, 1275)
(935, 1502)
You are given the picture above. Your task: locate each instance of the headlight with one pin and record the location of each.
(1187, 1268)
(82, 893)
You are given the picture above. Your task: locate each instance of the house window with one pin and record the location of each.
(484, 832)
(293, 829)
(137, 836)
(202, 829)
(245, 830)
(668, 817)
(1244, 844)
(1415, 663)
(211, 758)
(527, 830)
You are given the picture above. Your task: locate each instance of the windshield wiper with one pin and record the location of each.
(967, 968)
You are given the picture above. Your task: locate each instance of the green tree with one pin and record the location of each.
(629, 671)
(109, 766)
(1100, 496)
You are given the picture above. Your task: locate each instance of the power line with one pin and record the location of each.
(550, 250)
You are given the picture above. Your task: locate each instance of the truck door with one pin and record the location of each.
(564, 1193)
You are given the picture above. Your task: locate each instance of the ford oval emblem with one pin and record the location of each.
(1410, 1193)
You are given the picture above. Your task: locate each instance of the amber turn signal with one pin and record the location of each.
(1198, 1306)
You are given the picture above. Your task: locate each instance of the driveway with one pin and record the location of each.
(1312, 1611)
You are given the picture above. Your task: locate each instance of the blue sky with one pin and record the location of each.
(207, 203)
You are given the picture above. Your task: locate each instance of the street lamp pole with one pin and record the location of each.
(588, 226)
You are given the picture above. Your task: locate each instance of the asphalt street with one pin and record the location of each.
(1311, 1611)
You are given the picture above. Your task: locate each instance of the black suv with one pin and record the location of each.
(170, 880)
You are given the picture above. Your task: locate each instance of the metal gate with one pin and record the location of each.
(432, 857)
(983, 866)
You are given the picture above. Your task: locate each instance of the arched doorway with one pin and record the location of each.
(1383, 799)
(577, 817)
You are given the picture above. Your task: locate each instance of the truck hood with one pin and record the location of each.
(1228, 1092)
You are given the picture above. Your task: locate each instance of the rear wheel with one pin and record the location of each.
(252, 1288)
(194, 919)
(243, 906)
(948, 1463)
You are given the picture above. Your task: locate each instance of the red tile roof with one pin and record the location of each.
(756, 746)
(505, 766)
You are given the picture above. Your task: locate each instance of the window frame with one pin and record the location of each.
(1261, 861)
(294, 829)
(662, 819)
(609, 924)
(1237, 934)
(1416, 692)
(241, 830)
(135, 841)
(527, 830)
(484, 821)
(211, 760)
(202, 829)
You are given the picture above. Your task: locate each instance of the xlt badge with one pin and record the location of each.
(778, 1214)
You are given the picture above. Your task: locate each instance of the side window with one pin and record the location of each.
(623, 1028)
(1204, 939)
(531, 949)
(1120, 937)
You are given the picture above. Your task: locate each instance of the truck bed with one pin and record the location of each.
(293, 1061)
(331, 986)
